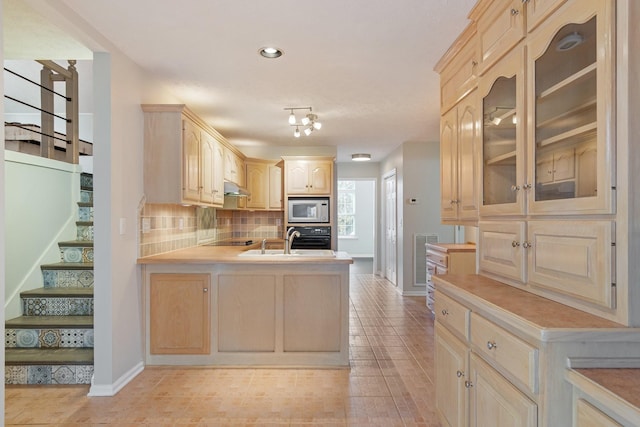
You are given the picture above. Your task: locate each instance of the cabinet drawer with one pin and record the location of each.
(517, 357)
(438, 258)
(452, 314)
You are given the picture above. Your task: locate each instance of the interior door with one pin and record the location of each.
(390, 222)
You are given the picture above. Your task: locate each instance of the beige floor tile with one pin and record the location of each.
(388, 384)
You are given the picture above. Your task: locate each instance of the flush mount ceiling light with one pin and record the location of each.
(270, 52)
(361, 157)
(309, 122)
(569, 41)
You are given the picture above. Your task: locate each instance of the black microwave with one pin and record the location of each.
(310, 210)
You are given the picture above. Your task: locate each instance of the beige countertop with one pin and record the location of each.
(452, 247)
(529, 310)
(229, 255)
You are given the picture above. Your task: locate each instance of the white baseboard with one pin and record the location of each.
(414, 293)
(112, 389)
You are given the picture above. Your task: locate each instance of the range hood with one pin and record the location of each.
(232, 189)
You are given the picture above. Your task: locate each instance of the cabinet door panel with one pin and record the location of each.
(191, 161)
(297, 177)
(207, 152)
(500, 28)
(459, 78)
(587, 415)
(218, 174)
(451, 373)
(257, 184)
(538, 10)
(320, 177)
(495, 402)
(448, 166)
(501, 250)
(572, 258)
(179, 314)
(469, 141)
(275, 187)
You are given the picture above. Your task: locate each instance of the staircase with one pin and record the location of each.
(52, 342)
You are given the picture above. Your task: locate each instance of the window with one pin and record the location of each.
(346, 208)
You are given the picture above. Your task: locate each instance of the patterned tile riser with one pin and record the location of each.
(86, 181)
(48, 374)
(85, 213)
(85, 232)
(48, 338)
(40, 306)
(86, 196)
(68, 278)
(76, 254)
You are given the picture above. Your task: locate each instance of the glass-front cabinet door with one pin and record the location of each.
(503, 175)
(571, 136)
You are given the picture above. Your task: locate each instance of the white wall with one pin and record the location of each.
(42, 208)
(417, 167)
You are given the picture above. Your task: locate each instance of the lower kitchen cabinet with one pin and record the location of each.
(501, 354)
(444, 258)
(587, 415)
(179, 314)
(494, 401)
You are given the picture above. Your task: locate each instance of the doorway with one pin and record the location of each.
(390, 229)
(356, 204)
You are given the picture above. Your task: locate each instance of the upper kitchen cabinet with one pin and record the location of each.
(264, 182)
(305, 176)
(539, 10)
(182, 157)
(459, 162)
(503, 145)
(234, 167)
(501, 25)
(571, 110)
(458, 69)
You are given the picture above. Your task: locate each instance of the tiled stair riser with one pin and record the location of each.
(48, 374)
(49, 338)
(76, 254)
(85, 213)
(86, 180)
(84, 232)
(86, 196)
(43, 306)
(68, 278)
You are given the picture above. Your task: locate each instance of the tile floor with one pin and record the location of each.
(390, 382)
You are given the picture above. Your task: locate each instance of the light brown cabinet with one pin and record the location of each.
(459, 162)
(179, 314)
(443, 258)
(452, 367)
(304, 177)
(234, 167)
(182, 158)
(264, 182)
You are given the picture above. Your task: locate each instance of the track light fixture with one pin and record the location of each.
(309, 122)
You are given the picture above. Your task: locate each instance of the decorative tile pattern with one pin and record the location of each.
(84, 373)
(76, 338)
(84, 232)
(86, 180)
(34, 307)
(86, 196)
(68, 278)
(39, 374)
(71, 254)
(15, 374)
(80, 307)
(63, 374)
(9, 338)
(27, 338)
(85, 213)
(50, 338)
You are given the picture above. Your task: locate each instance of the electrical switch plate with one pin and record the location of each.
(123, 226)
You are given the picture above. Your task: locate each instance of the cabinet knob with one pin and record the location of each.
(515, 244)
(453, 202)
(205, 290)
(468, 384)
(491, 345)
(459, 374)
(527, 245)
(515, 187)
(514, 12)
(444, 312)
(526, 186)
(474, 63)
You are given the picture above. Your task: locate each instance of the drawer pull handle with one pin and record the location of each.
(468, 384)
(444, 312)
(491, 345)
(459, 374)
(515, 244)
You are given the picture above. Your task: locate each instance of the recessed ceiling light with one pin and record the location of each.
(270, 52)
(360, 157)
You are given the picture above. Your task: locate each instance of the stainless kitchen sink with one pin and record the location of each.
(295, 253)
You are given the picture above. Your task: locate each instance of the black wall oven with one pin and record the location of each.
(312, 238)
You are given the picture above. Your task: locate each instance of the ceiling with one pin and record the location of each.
(364, 66)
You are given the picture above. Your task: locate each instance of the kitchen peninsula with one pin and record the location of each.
(216, 306)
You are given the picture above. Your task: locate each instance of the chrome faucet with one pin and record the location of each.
(263, 246)
(291, 234)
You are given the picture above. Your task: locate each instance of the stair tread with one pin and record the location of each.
(58, 292)
(77, 243)
(68, 266)
(85, 204)
(49, 356)
(65, 322)
(85, 223)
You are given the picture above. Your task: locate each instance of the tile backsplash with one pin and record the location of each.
(164, 228)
